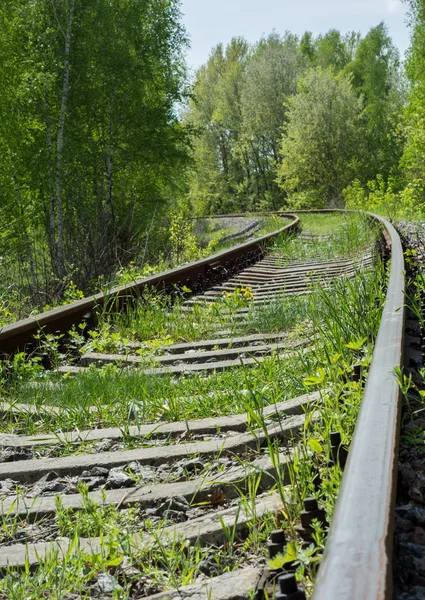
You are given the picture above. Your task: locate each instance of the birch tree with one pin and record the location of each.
(90, 130)
(322, 145)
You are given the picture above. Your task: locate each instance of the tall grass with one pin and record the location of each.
(350, 233)
(342, 321)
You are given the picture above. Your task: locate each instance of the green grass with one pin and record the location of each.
(152, 319)
(323, 224)
(342, 322)
(123, 396)
(156, 324)
(348, 234)
(138, 570)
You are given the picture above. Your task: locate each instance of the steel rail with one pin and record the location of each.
(14, 336)
(358, 554)
(357, 564)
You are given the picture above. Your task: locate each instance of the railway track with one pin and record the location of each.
(208, 491)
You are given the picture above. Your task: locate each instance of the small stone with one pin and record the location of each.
(163, 467)
(14, 454)
(104, 445)
(99, 471)
(92, 482)
(412, 558)
(128, 569)
(174, 509)
(174, 515)
(209, 567)
(106, 584)
(141, 471)
(8, 486)
(118, 479)
(413, 593)
(29, 532)
(185, 467)
(418, 536)
(417, 492)
(416, 514)
(408, 474)
(50, 476)
(404, 524)
(192, 466)
(403, 509)
(46, 488)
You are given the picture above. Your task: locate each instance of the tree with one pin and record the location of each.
(271, 76)
(90, 134)
(216, 112)
(413, 159)
(322, 142)
(239, 109)
(331, 51)
(376, 78)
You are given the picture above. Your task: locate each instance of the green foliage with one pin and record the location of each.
(183, 240)
(413, 162)
(376, 77)
(377, 195)
(244, 96)
(331, 51)
(20, 369)
(239, 108)
(322, 141)
(94, 519)
(386, 197)
(91, 148)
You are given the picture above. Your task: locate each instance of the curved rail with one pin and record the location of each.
(358, 554)
(16, 335)
(357, 560)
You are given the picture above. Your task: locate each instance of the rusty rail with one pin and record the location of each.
(358, 554)
(16, 335)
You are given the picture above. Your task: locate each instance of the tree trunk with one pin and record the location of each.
(59, 266)
(109, 216)
(51, 217)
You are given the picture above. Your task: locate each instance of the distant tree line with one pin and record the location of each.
(292, 121)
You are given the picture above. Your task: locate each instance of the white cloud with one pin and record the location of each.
(394, 6)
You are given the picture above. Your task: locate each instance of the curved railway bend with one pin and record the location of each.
(231, 396)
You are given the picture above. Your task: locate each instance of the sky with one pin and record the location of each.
(209, 22)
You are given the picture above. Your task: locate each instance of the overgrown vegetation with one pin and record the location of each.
(99, 171)
(189, 240)
(341, 324)
(338, 99)
(106, 154)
